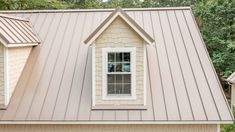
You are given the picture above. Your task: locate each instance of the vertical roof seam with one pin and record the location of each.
(57, 58)
(30, 32)
(76, 61)
(177, 55)
(41, 73)
(202, 67)
(164, 41)
(210, 61)
(36, 89)
(148, 74)
(7, 34)
(52, 43)
(25, 31)
(10, 29)
(70, 88)
(69, 49)
(84, 73)
(9, 21)
(83, 80)
(159, 68)
(190, 63)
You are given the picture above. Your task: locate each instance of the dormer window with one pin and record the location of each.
(119, 73)
(119, 63)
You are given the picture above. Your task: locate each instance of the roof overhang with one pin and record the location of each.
(231, 78)
(118, 13)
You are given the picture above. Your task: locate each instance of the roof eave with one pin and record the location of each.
(119, 122)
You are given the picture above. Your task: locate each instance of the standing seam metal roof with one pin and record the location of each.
(15, 30)
(56, 82)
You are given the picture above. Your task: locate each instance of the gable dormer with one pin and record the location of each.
(119, 67)
(16, 41)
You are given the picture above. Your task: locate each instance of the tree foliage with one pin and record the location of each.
(217, 19)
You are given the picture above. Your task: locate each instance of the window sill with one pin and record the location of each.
(119, 107)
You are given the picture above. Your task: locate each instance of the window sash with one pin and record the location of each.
(132, 62)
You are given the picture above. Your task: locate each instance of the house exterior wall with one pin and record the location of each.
(1, 75)
(119, 35)
(108, 128)
(17, 58)
(233, 96)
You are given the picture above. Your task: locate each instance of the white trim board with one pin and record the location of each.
(121, 122)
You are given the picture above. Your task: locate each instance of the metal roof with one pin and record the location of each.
(15, 31)
(231, 78)
(55, 86)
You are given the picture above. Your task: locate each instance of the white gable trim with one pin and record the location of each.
(105, 26)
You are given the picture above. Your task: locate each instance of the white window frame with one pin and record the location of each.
(105, 52)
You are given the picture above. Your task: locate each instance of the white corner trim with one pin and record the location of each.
(93, 75)
(218, 128)
(6, 82)
(145, 75)
(133, 73)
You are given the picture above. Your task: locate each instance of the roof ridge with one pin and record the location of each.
(13, 17)
(97, 10)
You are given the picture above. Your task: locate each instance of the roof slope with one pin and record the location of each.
(231, 78)
(15, 31)
(181, 83)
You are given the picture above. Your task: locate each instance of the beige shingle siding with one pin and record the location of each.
(17, 58)
(1, 75)
(117, 35)
(108, 128)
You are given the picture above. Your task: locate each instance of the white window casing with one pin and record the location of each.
(132, 52)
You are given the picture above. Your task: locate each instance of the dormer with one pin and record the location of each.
(16, 41)
(119, 63)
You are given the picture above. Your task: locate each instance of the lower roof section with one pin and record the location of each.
(55, 86)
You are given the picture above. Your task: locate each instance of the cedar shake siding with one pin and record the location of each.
(109, 128)
(117, 35)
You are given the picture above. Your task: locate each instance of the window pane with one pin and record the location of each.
(119, 89)
(110, 67)
(111, 89)
(126, 67)
(119, 57)
(127, 78)
(127, 88)
(118, 67)
(111, 57)
(127, 57)
(111, 78)
(118, 78)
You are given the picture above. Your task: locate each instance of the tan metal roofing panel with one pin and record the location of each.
(181, 83)
(231, 78)
(14, 30)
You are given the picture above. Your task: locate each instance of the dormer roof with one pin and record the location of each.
(16, 32)
(118, 12)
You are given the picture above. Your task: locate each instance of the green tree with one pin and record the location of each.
(217, 19)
